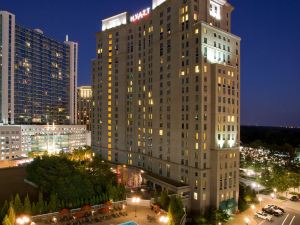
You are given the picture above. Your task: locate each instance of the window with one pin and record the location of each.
(195, 196)
(161, 132)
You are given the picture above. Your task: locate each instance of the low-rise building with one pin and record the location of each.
(18, 140)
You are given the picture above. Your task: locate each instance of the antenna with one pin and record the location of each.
(67, 38)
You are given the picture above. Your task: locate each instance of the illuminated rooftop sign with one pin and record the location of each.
(140, 15)
(114, 21)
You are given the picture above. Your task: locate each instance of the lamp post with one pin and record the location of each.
(135, 201)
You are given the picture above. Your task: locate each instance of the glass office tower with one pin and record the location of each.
(38, 76)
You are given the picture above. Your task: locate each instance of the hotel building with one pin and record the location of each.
(38, 76)
(166, 90)
(84, 106)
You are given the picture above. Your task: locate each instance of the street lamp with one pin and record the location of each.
(247, 221)
(135, 201)
(164, 219)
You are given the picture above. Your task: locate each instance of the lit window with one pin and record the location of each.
(195, 17)
(197, 70)
(195, 195)
(161, 132)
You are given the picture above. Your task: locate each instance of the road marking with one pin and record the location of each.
(292, 220)
(285, 219)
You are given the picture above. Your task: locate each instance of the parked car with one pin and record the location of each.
(272, 211)
(277, 207)
(294, 198)
(263, 216)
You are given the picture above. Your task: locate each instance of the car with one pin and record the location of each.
(272, 211)
(294, 198)
(264, 216)
(276, 207)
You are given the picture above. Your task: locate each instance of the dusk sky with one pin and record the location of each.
(270, 33)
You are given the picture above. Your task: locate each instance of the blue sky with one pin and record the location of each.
(270, 46)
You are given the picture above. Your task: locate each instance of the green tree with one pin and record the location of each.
(27, 205)
(164, 200)
(11, 215)
(6, 221)
(18, 206)
(34, 210)
(4, 210)
(201, 220)
(175, 210)
(53, 203)
(40, 204)
(221, 216)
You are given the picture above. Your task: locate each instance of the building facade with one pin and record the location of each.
(38, 76)
(84, 106)
(166, 90)
(16, 141)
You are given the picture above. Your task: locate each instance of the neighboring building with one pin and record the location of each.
(166, 89)
(38, 76)
(16, 141)
(84, 106)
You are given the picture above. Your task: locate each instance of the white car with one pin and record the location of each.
(264, 216)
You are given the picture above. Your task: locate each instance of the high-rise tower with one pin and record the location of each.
(38, 76)
(166, 90)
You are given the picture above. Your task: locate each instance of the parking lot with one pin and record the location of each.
(290, 217)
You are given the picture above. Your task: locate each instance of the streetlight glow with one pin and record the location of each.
(22, 220)
(247, 220)
(164, 219)
(135, 201)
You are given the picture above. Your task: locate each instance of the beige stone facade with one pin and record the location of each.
(166, 95)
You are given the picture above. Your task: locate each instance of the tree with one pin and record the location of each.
(40, 204)
(175, 210)
(27, 205)
(4, 210)
(18, 206)
(6, 221)
(11, 215)
(53, 203)
(221, 216)
(164, 200)
(156, 197)
(201, 220)
(34, 210)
